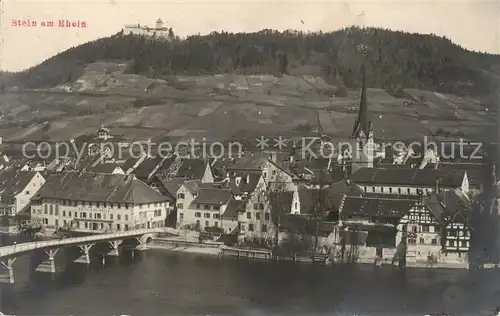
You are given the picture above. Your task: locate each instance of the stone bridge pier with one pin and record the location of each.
(85, 253)
(48, 265)
(7, 276)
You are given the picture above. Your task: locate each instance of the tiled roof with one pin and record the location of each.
(375, 207)
(449, 206)
(172, 186)
(95, 187)
(476, 172)
(192, 186)
(103, 168)
(212, 196)
(191, 169)
(304, 225)
(409, 177)
(248, 182)
(149, 165)
(391, 196)
(233, 208)
(256, 161)
(12, 182)
(338, 189)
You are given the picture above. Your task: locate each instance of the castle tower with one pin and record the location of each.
(362, 134)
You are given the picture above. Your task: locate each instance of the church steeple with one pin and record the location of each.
(363, 122)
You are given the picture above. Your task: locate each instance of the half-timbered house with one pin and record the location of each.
(436, 230)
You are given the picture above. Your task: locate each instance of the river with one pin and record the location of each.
(158, 282)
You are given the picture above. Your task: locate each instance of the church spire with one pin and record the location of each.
(363, 122)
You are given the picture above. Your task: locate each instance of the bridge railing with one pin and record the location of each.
(29, 246)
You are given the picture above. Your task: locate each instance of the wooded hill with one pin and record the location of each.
(393, 59)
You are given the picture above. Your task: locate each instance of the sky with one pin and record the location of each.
(473, 24)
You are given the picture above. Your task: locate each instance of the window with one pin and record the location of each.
(111, 216)
(412, 241)
(206, 215)
(207, 223)
(425, 228)
(216, 216)
(119, 217)
(257, 216)
(180, 206)
(206, 206)
(409, 191)
(198, 206)
(64, 213)
(250, 227)
(264, 228)
(399, 190)
(180, 196)
(126, 217)
(216, 224)
(256, 206)
(373, 189)
(98, 204)
(119, 205)
(414, 229)
(197, 214)
(464, 243)
(422, 241)
(261, 206)
(181, 216)
(249, 215)
(434, 241)
(45, 209)
(390, 190)
(216, 207)
(451, 243)
(452, 233)
(266, 216)
(69, 214)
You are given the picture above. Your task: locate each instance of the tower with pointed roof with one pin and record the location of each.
(362, 152)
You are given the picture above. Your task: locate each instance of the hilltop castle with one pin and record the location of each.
(158, 31)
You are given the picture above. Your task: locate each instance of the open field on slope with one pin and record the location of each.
(219, 107)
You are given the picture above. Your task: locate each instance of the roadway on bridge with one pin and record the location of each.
(13, 250)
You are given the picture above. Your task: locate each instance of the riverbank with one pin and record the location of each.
(218, 249)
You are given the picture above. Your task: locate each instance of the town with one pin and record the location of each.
(366, 205)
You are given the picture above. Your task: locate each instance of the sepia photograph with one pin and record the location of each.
(223, 158)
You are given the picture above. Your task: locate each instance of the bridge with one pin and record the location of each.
(9, 254)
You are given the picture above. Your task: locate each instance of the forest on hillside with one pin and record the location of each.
(392, 59)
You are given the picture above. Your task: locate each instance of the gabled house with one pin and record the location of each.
(437, 230)
(374, 220)
(185, 194)
(213, 208)
(275, 176)
(93, 202)
(16, 190)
